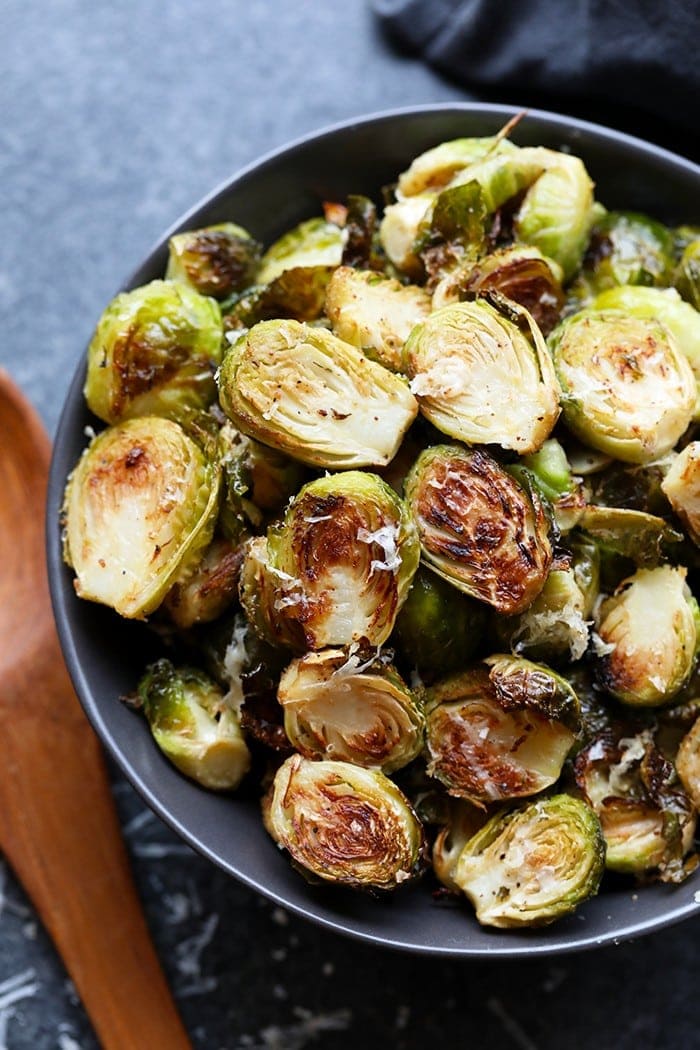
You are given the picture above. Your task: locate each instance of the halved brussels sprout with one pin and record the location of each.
(482, 379)
(627, 248)
(646, 818)
(435, 168)
(350, 707)
(557, 209)
(344, 824)
(532, 865)
(438, 628)
(206, 590)
(463, 822)
(500, 730)
(688, 763)
(337, 569)
(154, 351)
(554, 626)
(193, 726)
(479, 528)
(140, 506)
(311, 395)
(256, 479)
(520, 272)
(650, 628)
(375, 313)
(666, 306)
(682, 488)
(628, 390)
(217, 260)
(314, 242)
(687, 275)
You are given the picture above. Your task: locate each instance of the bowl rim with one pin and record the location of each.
(62, 616)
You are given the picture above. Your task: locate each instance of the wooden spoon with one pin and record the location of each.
(58, 825)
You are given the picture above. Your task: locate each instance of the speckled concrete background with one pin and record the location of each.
(114, 119)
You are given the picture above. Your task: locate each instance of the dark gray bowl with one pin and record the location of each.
(106, 655)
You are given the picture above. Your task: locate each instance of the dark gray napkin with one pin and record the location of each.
(634, 65)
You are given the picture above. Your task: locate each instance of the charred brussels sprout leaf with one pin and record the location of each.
(644, 539)
(154, 351)
(309, 394)
(140, 507)
(350, 707)
(479, 528)
(454, 229)
(481, 378)
(500, 730)
(217, 261)
(682, 488)
(375, 313)
(360, 228)
(438, 628)
(521, 273)
(650, 628)
(628, 390)
(344, 824)
(337, 569)
(532, 865)
(298, 293)
(193, 726)
(646, 817)
(312, 243)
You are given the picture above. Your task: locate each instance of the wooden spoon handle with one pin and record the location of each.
(58, 824)
(60, 832)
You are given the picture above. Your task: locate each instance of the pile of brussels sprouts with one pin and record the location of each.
(413, 499)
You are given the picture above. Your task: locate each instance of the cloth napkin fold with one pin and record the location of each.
(634, 65)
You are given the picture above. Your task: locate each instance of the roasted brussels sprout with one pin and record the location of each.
(500, 730)
(375, 313)
(154, 351)
(481, 378)
(644, 539)
(193, 726)
(434, 169)
(306, 392)
(256, 480)
(140, 507)
(627, 248)
(314, 242)
(350, 707)
(647, 819)
(554, 627)
(438, 629)
(628, 390)
(479, 528)
(398, 232)
(337, 569)
(463, 822)
(650, 627)
(665, 306)
(521, 273)
(206, 590)
(532, 865)
(687, 274)
(217, 261)
(344, 824)
(688, 763)
(681, 486)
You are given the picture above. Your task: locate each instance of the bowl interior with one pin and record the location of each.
(106, 655)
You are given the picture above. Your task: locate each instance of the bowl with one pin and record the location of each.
(106, 655)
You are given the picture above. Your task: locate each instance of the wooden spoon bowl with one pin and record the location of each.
(58, 825)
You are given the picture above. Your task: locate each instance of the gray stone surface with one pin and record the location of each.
(115, 118)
